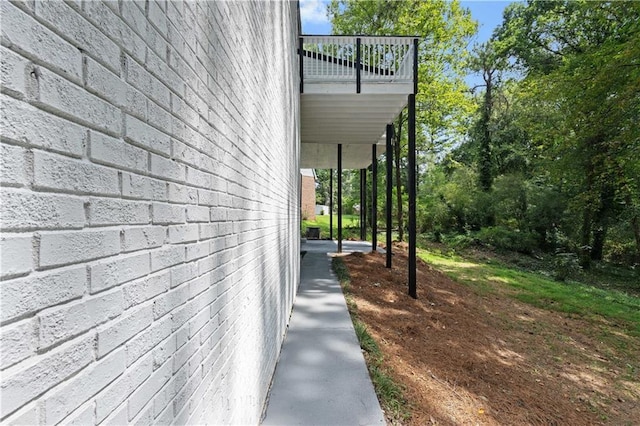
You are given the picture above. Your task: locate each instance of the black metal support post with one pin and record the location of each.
(412, 176)
(339, 198)
(389, 155)
(301, 62)
(374, 198)
(358, 64)
(361, 211)
(364, 204)
(331, 204)
(412, 196)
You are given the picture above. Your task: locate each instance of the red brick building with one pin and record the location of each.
(308, 195)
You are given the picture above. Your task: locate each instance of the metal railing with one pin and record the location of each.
(339, 58)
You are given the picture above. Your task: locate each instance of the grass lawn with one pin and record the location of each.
(350, 225)
(570, 297)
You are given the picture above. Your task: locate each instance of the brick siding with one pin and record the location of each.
(149, 208)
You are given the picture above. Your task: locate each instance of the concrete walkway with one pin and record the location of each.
(321, 377)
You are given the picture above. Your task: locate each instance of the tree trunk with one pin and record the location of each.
(585, 242)
(635, 225)
(484, 169)
(396, 158)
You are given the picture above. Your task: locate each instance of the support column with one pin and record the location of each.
(412, 196)
(331, 204)
(361, 210)
(363, 207)
(412, 175)
(374, 198)
(339, 198)
(389, 155)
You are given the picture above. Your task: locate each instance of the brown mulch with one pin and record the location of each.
(467, 358)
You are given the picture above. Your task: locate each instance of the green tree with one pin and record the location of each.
(444, 28)
(581, 59)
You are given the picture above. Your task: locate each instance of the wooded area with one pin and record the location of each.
(544, 155)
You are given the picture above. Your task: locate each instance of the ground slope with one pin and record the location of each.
(467, 356)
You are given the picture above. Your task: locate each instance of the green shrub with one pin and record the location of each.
(565, 265)
(507, 239)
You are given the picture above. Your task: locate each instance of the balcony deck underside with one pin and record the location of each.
(357, 121)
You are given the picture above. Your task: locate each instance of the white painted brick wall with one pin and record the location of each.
(148, 209)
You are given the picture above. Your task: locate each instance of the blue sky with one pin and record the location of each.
(487, 13)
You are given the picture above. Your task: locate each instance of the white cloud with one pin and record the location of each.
(313, 11)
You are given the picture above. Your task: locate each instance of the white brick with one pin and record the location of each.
(183, 233)
(118, 417)
(85, 415)
(197, 214)
(196, 324)
(112, 25)
(149, 388)
(60, 248)
(167, 168)
(167, 302)
(218, 214)
(109, 399)
(197, 178)
(144, 418)
(16, 255)
(143, 237)
(146, 340)
(74, 318)
(17, 342)
(197, 251)
(159, 117)
(164, 351)
(117, 270)
(72, 100)
(28, 295)
(23, 123)
(104, 83)
(110, 211)
(141, 134)
(184, 353)
(13, 165)
(136, 186)
(170, 390)
(82, 387)
(53, 171)
(116, 152)
(13, 70)
(141, 290)
(167, 256)
(133, 13)
(20, 386)
(208, 230)
(183, 273)
(183, 194)
(37, 41)
(158, 18)
(199, 285)
(142, 80)
(180, 317)
(114, 334)
(136, 104)
(80, 32)
(158, 67)
(20, 210)
(28, 415)
(167, 213)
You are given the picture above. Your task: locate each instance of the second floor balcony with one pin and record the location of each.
(351, 88)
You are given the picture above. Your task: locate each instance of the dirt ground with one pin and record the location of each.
(466, 358)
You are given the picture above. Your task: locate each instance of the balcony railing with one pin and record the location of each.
(357, 60)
